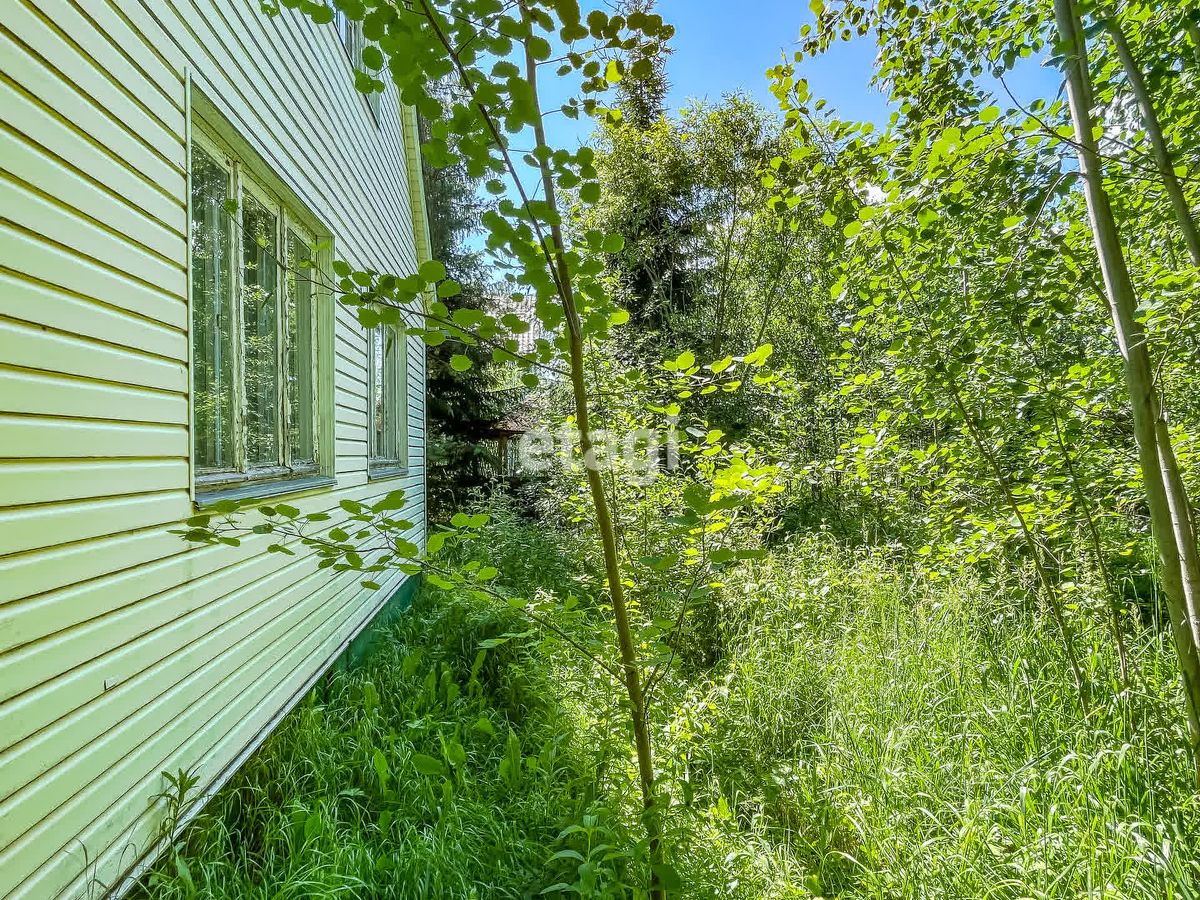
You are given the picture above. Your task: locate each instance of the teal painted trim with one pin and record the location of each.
(261, 490)
(396, 605)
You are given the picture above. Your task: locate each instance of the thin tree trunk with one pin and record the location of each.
(1178, 585)
(1158, 144)
(604, 521)
(1114, 601)
(1039, 564)
(1053, 601)
(1193, 31)
(1182, 520)
(1085, 506)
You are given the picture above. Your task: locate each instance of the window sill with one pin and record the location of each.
(381, 472)
(260, 490)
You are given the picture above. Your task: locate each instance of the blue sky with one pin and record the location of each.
(728, 45)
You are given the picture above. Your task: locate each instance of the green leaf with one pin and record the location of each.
(460, 363)
(372, 57)
(467, 317)
(829, 218)
(852, 228)
(590, 192)
(456, 754)
(449, 288)
(428, 765)
(760, 355)
(405, 548)
(614, 71)
(382, 769)
(393, 500)
(432, 270)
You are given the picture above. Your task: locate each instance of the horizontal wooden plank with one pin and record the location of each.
(39, 347)
(353, 419)
(125, 25)
(28, 116)
(38, 527)
(109, 650)
(123, 682)
(161, 129)
(48, 394)
(110, 768)
(25, 483)
(160, 95)
(33, 166)
(111, 687)
(45, 216)
(115, 593)
(50, 261)
(32, 437)
(111, 594)
(351, 447)
(45, 305)
(217, 760)
(30, 574)
(215, 757)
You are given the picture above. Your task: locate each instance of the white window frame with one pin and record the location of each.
(287, 221)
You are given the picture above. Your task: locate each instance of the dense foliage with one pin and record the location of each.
(913, 608)
(462, 406)
(867, 733)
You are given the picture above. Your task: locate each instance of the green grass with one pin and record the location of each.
(348, 798)
(886, 738)
(866, 734)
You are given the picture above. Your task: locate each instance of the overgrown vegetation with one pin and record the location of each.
(871, 571)
(866, 734)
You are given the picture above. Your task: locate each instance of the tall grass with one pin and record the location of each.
(433, 771)
(865, 734)
(883, 737)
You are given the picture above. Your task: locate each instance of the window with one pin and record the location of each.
(387, 364)
(350, 33)
(253, 327)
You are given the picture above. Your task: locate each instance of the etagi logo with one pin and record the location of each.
(639, 454)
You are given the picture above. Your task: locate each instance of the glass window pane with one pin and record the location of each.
(379, 416)
(397, 403)
(212, 314)
(388, 400)
(299, 351)
(260, 277)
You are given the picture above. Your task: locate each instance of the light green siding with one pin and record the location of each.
(123, 651)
